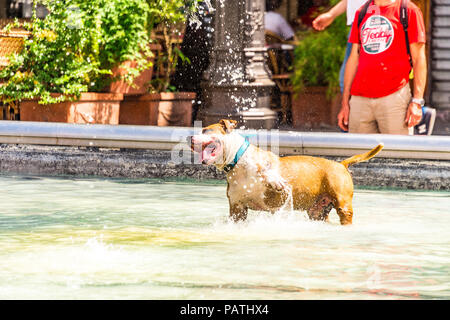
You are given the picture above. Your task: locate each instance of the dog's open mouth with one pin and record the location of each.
(209, 153)
(208, 147)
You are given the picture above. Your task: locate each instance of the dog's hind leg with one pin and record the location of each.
(345, 212)
(321, 208)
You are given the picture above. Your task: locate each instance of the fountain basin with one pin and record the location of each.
(90, 238)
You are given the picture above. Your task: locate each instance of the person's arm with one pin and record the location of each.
(325, 19)
(350, 71)
(286, 30)
(419, 60)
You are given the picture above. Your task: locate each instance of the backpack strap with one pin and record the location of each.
(363, 12)
(404, 22)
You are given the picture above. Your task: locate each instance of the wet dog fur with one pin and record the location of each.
(263, 181)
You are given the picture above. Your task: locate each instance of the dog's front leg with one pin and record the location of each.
(238, 212)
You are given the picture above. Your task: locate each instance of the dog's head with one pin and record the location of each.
(217, 143)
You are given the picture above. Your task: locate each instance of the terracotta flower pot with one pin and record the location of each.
(311, 108)
(162, 109)
(175, 109)
(141, 82)
(140, 110)
(99, 108)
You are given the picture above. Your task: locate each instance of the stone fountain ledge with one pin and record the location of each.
(140, 163)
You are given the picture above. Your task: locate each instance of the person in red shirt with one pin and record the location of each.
(377, 95)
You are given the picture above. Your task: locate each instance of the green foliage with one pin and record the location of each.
(75, 47)
(170, 17)
(171, 12)
(319, 56)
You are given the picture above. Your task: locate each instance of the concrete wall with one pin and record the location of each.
(133, 163)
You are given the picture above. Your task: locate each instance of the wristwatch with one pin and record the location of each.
(420, 102)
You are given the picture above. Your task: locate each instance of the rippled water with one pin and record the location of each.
(65, 238)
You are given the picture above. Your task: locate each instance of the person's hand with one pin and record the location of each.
(344, 115)
(322, 21)
(413, 114)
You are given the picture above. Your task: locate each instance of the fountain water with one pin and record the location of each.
(237, 83)
(89, 238)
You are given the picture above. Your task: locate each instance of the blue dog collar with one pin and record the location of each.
(238, 155)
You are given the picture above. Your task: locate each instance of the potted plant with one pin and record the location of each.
(315, 78)
(128, 37)
(163, 106)
(65, 65)
(130, 82)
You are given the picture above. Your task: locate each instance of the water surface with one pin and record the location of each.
(73, 238)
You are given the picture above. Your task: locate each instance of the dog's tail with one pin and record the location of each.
(362, 157)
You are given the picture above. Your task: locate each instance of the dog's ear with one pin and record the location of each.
(228, 125)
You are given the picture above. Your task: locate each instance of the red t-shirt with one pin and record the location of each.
(383, 66)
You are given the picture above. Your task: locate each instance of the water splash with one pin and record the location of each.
(209, 6)
(289, 202)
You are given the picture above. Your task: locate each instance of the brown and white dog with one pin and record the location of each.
(260, 180)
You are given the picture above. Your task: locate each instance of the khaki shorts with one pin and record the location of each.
(380, 115)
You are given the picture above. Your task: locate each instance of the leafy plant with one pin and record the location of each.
(318, 57)
(73, 49)
(169, 16)
(125, 30)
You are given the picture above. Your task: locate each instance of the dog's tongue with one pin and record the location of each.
(207, 153)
